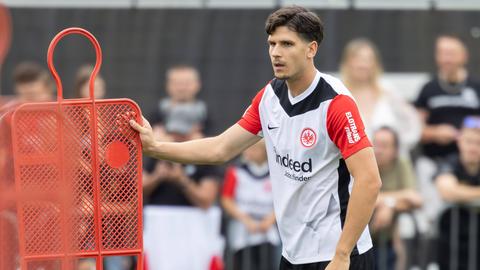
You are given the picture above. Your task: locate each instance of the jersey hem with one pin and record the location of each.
(322, 258)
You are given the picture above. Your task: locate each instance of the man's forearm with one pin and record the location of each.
(465, 194)
(360, 208)
(201, 151)
(429, 134)
(214, 150)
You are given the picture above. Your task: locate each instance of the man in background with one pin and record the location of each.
(459, 184)
(32, 83)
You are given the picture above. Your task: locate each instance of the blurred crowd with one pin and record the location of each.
(428, 154)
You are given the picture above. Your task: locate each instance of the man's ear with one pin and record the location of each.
(312, 49)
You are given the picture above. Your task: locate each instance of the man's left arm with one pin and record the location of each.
(363, 168)
(345, 128)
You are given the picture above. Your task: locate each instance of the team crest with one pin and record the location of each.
(308, 138)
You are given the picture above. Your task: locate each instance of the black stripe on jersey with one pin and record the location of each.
(323, 92)
(343, 194)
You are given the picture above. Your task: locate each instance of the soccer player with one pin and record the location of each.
(324, 175)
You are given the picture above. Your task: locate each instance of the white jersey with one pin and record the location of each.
(307, 138)
(250, 187)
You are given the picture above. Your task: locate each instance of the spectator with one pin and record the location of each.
(361, 69)
(181, 221)
(82, 80)
(180, 117)
(447, 99)
(398, 195)
(442, 104)
(32, 83)
(459, 184)
(167, 185)
(247, 198)
(181, 112)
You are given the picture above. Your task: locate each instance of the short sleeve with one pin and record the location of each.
(229, 183)
(251, 118)
(345, 126)
(422, 99)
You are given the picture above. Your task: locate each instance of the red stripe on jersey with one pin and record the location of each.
(345, 126)
(251, 118)
(230, 183)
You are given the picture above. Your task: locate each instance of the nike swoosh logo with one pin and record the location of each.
(270, 128)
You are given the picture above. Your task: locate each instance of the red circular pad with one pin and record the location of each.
(117, 154)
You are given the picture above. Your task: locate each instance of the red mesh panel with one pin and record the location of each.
(77, 179)
(119, 195)
(8, 217)
(70, 185)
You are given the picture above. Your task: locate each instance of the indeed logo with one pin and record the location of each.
(294, 165)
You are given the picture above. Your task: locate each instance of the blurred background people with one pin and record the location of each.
(442, 104)
(398, 195)
(32, 83)
(181, 112)
(447, 98)
(176, 193)
(361, 71)
(247, 199)
(458, 183)
(180, 117)
(82, 80)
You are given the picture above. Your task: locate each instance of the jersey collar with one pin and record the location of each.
(307, 92)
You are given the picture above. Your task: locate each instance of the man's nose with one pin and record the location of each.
(276, 51)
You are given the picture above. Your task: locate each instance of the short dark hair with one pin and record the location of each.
(183, 66)
(299, 19)
(28, 72)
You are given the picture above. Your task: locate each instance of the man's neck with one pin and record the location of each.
(299, 84)
(455, 77)
(472, 168)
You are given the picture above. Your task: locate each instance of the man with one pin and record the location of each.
(180, 117)
(398, 180)
(447, 98)
(459, 183)
(315, 141)
(32, 83)
(398, 195)
(181, 112)
(442, 104)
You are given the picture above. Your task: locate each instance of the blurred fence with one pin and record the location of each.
(463, 237)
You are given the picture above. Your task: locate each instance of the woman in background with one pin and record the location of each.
(361, 69)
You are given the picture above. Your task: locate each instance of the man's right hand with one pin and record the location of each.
(146, 135)
(445, 134)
